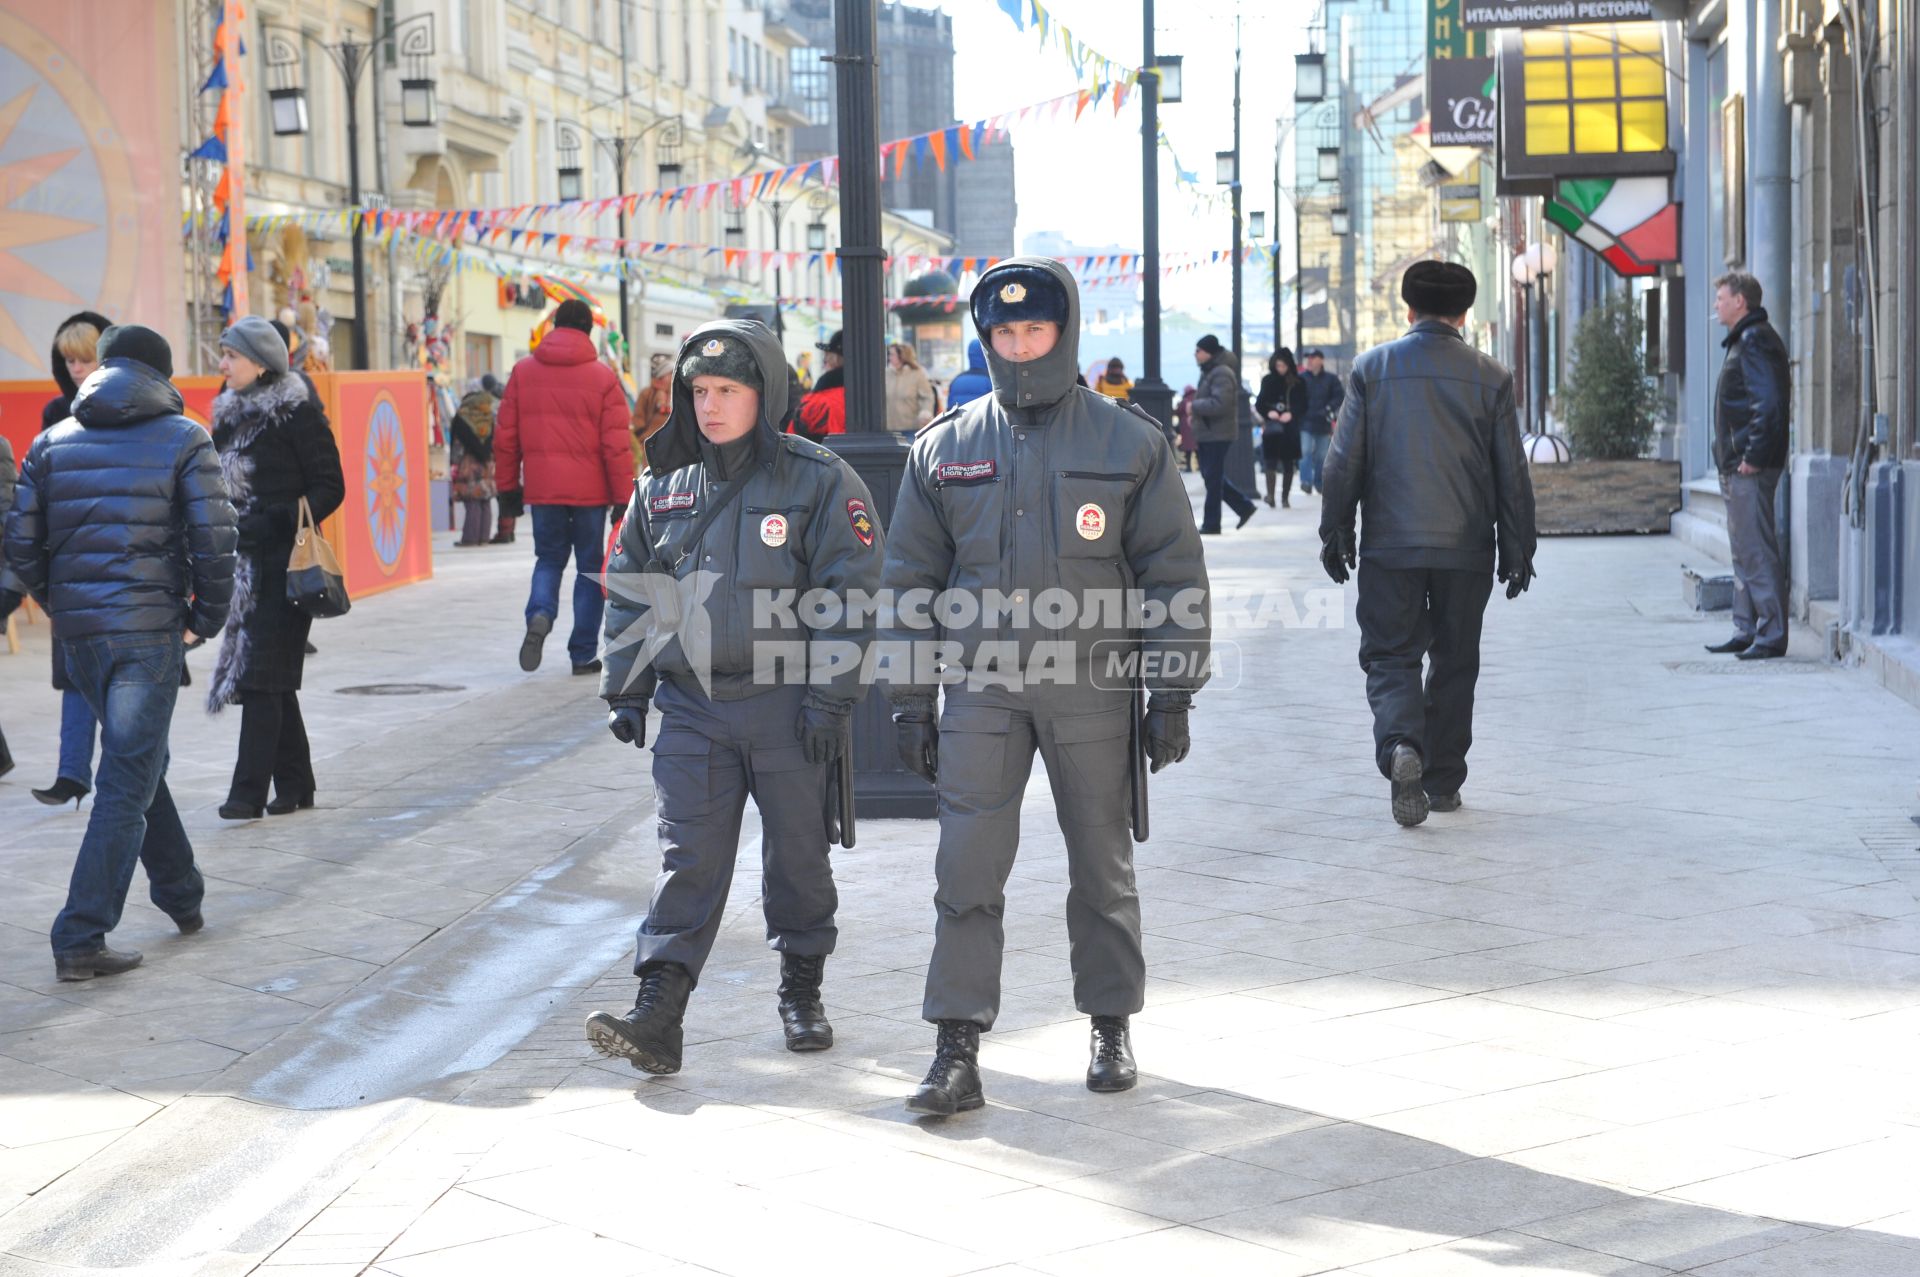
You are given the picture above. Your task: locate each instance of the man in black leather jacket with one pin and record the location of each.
(1750, 450)
(1429, 443)
(121, 528)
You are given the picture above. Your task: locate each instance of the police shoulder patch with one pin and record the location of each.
(860, 520)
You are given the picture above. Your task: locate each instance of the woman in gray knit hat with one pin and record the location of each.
(275, 448)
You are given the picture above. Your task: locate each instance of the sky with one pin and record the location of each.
(1083, 179)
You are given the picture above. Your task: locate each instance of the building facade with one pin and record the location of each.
(535, 101)
(971, 202)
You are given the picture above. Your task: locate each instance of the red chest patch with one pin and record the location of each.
(671, 503)
(966, 471)
(862, 521)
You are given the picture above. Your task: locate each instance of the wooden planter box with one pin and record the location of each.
(1598, 498)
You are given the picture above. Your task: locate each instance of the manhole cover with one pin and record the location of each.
(399, 689)
(1747, 667)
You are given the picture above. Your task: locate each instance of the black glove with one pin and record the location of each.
(1167, 738)
(1337, 553)
(10, 601)
(1517, 579)
(822, 733)
(919, 739)
(613, 516)
(628, 722)
(511, 506)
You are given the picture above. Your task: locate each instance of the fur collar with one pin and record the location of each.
(260, 404)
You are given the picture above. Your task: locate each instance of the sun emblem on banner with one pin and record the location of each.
(386, 489)
(68, 222)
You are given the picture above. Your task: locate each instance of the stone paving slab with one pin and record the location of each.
(1649, 1004)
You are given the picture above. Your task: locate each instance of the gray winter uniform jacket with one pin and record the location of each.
(804, 522)
(1045, 486)
(1429, 442)
(1220, 401)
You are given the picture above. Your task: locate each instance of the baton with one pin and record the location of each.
(1137, 761)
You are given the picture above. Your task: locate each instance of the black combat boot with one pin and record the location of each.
(1111, 1067)
(801, 1014)
(647, 1037)
(952, 1085)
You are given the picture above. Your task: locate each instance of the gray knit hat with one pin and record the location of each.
(255, 338)
(718, 356)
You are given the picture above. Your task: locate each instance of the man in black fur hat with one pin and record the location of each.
(1429, 442)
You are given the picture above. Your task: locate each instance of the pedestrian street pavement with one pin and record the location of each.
(1649, 1004)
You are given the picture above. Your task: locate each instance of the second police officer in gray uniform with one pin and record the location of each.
(730, 512)
(1039, 489)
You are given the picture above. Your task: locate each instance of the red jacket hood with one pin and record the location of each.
(565, 346)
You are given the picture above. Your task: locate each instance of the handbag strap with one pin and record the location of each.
(306, 523)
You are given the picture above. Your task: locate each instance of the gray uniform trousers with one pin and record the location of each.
(709, 756)
(1759, 580)
(987, 741)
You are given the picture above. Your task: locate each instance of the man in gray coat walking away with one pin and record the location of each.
(1429, 443)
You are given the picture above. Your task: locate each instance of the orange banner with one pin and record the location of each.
(89, 113)
(379, 419)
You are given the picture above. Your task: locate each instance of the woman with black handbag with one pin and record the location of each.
(275, 450)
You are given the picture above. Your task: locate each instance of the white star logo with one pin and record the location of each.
(675, 610)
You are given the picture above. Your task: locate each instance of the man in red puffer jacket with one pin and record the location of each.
(564, 420)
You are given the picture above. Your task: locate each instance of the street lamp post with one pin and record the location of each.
(1239, 282)
(1151, 392)
(620, 149)
(350, 57)
(882, 785)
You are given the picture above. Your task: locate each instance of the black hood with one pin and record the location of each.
(60, 373)
(1045, 381)
(679, 443)
(124, 392)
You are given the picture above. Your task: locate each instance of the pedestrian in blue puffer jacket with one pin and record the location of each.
(122, 530)
(974, 382)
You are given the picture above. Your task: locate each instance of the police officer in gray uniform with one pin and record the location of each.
(1038, 492)
(732, 518)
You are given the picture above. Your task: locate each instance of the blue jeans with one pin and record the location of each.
(580, 531)
(1213, 473)
(1313, 457)
(77, 725)
(130, 681)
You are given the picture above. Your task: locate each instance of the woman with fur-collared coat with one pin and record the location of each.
(275, 448)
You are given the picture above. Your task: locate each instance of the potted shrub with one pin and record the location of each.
(1611, 407)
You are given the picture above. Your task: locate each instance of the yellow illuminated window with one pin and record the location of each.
(1643, 126)
(1642, 78)
(1596, 90)
(1596, 128)
(1546, 79)
(1547, 130)
(1592, 78)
